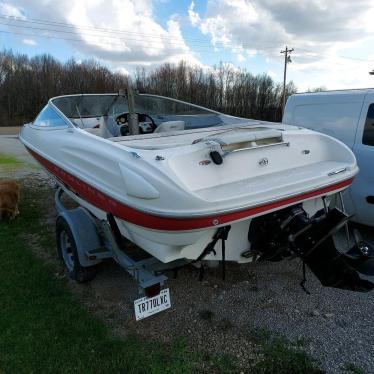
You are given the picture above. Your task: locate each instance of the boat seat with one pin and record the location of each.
(170, 126)
(109, 127)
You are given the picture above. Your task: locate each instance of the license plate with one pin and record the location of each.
(147, 306)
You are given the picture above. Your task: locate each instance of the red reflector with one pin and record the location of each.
(152, 290)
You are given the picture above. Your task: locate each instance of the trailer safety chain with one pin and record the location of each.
(224, 236)
(221, 233)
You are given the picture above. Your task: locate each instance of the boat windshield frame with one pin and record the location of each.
(72, 106)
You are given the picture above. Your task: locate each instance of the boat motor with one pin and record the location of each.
(290, 233)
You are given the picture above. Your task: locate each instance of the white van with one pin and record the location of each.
(348, 116)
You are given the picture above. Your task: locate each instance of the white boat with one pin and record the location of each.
(172, 173)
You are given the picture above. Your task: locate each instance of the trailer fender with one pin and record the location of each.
(85, 233)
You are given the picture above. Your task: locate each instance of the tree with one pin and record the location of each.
(26, 84)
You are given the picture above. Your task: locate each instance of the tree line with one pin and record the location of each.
(26, 84)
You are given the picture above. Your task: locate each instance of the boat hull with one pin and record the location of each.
(172, 238)
(169, 198)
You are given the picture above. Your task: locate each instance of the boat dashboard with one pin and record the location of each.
(147, 124)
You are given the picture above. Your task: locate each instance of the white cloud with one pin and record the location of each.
(320, 32)
(272, 74)
(122, 70)
(332, 72)
(238, 25)
(29, 42)
(123, 33)
(193, 16)
(10, 10)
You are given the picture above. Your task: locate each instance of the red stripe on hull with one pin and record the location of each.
(126, 213)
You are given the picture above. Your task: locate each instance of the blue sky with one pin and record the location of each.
(333, 40)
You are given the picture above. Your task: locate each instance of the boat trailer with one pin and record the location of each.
(84, 241)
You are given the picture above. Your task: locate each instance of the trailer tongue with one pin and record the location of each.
(290, 232)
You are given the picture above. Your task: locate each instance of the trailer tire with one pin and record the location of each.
(68, 254)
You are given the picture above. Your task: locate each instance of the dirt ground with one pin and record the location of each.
(8, 130)
(219, 317)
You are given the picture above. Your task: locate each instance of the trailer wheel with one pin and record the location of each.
(67, 251)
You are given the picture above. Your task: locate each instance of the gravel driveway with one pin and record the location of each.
(335, 326)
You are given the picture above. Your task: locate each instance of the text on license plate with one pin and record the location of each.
(147, 306)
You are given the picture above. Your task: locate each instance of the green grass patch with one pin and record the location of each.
(10, 163)
(43, 329)
(282, 357)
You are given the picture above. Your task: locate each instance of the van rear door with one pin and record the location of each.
(334, 114)
(363, 191)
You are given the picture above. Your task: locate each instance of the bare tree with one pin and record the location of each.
(27, 83)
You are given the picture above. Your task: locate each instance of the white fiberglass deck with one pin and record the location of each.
(186, 137)
(289, 181)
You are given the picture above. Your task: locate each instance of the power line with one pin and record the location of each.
(334, 56)
(116, 31)
(76, 40)
(138, 37)
(115, 38)
(100, 29)
(191, 41)
(89, 35)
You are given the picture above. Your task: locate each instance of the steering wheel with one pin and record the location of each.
(122, 119)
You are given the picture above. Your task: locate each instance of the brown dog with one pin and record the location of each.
(9, 197)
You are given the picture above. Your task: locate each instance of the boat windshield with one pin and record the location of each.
(158, 105)
(85, 106)
(76, 106)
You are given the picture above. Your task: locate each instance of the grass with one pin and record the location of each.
(10, 163)
(44, 329)
(281, 357)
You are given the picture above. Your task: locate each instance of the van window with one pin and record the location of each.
(49, 118)
(368, 137)
(331, 118)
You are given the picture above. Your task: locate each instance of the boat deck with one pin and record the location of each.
(187, 137)
(290, 180)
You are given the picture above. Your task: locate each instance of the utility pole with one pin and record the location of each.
(287, 59)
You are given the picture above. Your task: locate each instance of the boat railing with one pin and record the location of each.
(285, 144)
